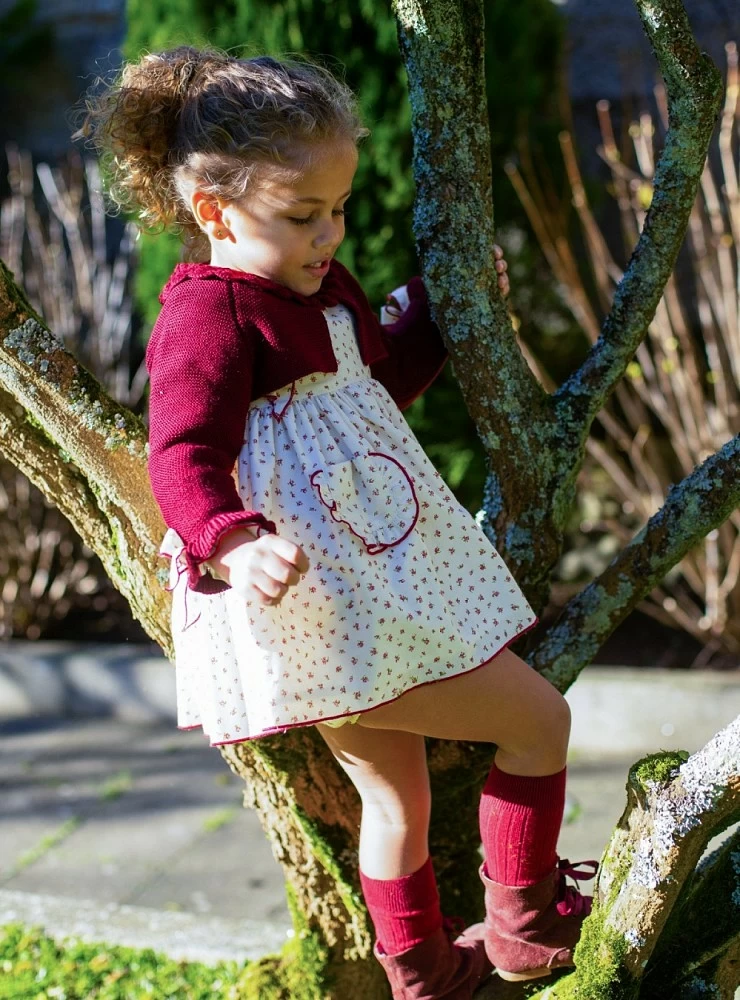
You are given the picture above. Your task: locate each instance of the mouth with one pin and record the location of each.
(318, 268)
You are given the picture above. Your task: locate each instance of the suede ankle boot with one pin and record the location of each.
(445, 966)
(530, 930)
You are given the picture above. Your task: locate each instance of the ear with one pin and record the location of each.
(208, 214)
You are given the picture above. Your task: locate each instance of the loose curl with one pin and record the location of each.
(194, 118)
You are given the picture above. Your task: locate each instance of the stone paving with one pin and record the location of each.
(135, 834)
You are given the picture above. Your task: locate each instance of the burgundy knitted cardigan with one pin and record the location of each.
(226, 337)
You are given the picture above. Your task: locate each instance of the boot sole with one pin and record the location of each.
(517, 977)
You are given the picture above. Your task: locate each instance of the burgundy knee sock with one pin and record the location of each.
(405, 910)
(520, 819)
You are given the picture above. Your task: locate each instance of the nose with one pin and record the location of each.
(330, 234)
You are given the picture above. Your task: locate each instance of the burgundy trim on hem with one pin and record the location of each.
(330, 718)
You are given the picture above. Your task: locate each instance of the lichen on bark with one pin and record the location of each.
(88, 455)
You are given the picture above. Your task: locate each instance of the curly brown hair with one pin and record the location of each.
(192, 118)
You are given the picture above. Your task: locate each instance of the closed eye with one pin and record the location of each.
(311, 218)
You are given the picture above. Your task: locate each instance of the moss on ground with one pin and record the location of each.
(33, 966)
(299, 972)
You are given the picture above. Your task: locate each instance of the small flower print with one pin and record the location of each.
(282, 665)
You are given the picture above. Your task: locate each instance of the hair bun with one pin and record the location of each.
(133, 125)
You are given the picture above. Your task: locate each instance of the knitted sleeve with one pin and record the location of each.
(416, 351)
(200, 363)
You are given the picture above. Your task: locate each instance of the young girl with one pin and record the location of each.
(323, 573)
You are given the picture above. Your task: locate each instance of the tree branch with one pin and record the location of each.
(674, 805)
(692, 939)
(694, 91)
(85, 451)
(662, 835)
(718, 978)
(442, 47)
(693, 507)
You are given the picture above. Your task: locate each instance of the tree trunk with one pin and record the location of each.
(87, 453)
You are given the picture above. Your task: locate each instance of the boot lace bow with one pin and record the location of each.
(570, 902)
(453, 926)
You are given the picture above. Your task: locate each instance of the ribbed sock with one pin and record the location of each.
(405, 910)
(520, 818)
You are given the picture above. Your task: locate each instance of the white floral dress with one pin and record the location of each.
(403, 587)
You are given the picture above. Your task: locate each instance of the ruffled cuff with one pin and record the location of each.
(416, 311)
(191, 556)
(412, 298)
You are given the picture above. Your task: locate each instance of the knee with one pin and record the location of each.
(547, 741)
(561, 722)
(410, 811)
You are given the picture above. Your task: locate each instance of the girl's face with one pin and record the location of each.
(289, 232)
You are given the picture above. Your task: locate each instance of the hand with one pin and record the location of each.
(259, 569)
(501, 269)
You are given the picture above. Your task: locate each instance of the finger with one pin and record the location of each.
(302, 563)
(283, 572)
(252, 593)
(290, 552)
(501, 265)
(497, 251)
(262, 598)
(270, 589)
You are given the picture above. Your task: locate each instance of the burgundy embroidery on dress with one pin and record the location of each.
(354, 633)
(362, 512)
(273, 397)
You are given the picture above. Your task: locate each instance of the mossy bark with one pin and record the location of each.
(84, 451)
(88, 455)
(704, 925)
(535, 443)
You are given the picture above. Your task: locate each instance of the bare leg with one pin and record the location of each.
(504, 702)
(389, 770)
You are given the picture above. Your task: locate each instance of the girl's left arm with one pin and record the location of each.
(200, 362)
(416, 351)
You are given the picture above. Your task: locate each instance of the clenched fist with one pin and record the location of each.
(259, 569)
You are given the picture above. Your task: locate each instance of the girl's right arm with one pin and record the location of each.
(200, 364)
